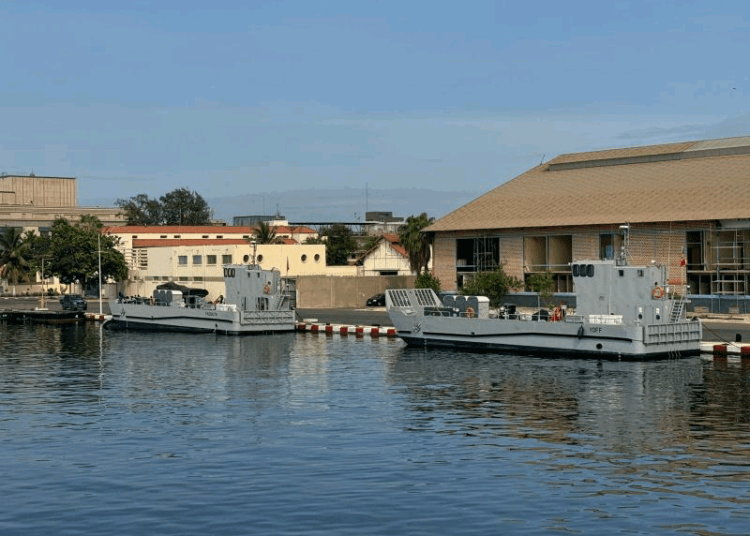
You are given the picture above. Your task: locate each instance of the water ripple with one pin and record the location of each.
(138, 433)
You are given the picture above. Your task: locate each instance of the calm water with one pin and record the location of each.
(132, 433)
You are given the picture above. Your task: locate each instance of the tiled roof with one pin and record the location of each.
(395, 244)
(171, 242)
(202, 229)
(675, 182)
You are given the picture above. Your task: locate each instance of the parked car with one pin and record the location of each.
(377, 301)
(74, 302)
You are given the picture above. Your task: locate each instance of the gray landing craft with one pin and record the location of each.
(622, 311)
(255, 301)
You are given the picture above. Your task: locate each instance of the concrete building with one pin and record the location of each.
(199, 263)
(176, 235)
(33, 203)
(686, 205)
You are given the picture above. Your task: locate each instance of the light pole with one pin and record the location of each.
(99, 241)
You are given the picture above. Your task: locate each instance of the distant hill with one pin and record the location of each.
(340, 204)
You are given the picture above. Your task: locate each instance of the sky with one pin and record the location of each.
(251, 99)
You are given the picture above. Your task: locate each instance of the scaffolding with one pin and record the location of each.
(486, 254)
(731, 262)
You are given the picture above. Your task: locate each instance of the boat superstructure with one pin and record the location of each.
(255, 301)
(622, 311)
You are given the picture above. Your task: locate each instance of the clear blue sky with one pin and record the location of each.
(240, 97)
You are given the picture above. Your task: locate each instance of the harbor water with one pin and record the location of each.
(149, 433)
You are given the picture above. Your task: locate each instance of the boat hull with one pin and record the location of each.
(550, 339)
(183, 319)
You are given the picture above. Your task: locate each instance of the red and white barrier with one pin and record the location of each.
(358, 331)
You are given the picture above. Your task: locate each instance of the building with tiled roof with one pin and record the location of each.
(687, 206)
(386, 257)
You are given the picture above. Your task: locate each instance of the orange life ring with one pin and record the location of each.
(469, 312)
(657, 293)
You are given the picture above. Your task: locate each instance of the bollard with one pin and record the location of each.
(720, 351)
(745, 352)
(344, 330)
(375, 332)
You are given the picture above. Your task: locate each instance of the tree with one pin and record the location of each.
(340, 244)
(495, 285)
(416, 242)
(141, 210)
(427, 280)
(185, 207)
(13, 256)
(178, 207)
(544, 284)
(265, 233)
(71, 252)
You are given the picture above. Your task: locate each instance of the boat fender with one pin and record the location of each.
(657, 293)
(580, 332)
(590, 270)
(575, 270)
(469, 312)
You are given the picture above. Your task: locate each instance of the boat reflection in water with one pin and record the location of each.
(684, 420)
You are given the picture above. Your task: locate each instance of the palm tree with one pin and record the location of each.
(13, 262)
(265, 233)
(416, 243)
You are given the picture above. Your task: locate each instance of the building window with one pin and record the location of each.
(219, 236)
(551, 253)
(163, 236)
(177, 236)
(226, 259)
(182, 260)
(211, 260)
(197, 259)
(259, 258)
(205, 236)
(317, 257)
(304, 258)
(477, 254)
(610, 244)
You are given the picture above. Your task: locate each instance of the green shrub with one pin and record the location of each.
(495, 285)
(427, 280)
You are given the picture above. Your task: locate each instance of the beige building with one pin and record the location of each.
(33, 203)
(195, 256)
(387, 257)
(686, 205)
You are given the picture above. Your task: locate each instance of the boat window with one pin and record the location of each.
(621, 272)
(640, 273)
